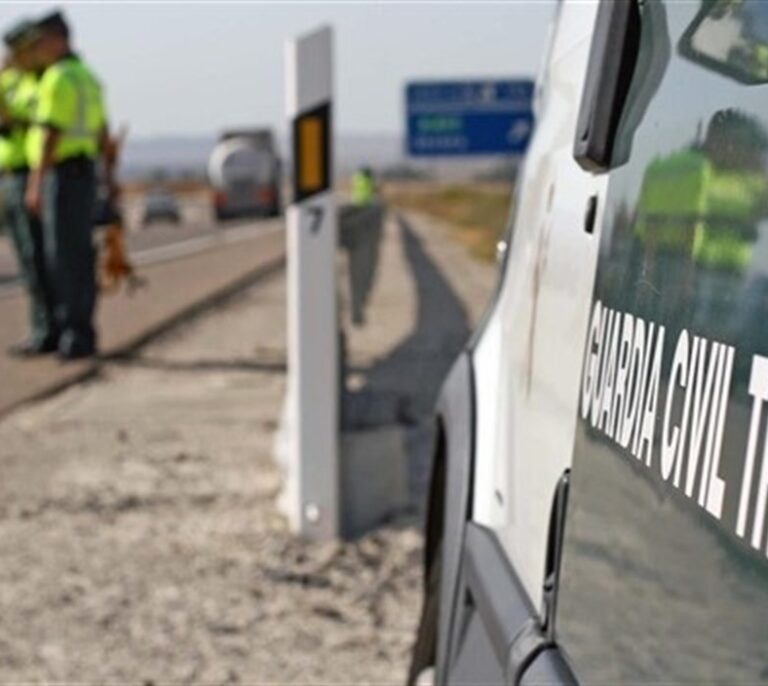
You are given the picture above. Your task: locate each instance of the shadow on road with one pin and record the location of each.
(401, 388)
(360, 234)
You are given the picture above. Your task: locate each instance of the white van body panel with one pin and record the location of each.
(527, 362)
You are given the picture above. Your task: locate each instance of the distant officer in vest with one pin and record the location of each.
(69, 133)
(363, 187)
(18, 92)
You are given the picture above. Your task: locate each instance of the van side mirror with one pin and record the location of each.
(731, 38)
(612, 59)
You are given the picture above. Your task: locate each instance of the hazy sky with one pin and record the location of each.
(190, 67)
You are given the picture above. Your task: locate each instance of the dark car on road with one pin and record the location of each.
(161, 205)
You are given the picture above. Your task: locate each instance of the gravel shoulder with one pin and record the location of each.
(140, 541)
(139, 537)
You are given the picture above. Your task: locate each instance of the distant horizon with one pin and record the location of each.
(279, 134)
(178, 155)
(194, 69)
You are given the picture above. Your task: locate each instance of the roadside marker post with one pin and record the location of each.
(311, 497)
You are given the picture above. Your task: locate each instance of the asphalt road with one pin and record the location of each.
(202, 263)
(196, 231)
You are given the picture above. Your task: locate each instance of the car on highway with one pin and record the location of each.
(161, 205)
(597, 513)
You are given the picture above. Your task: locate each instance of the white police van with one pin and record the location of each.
(600, 485)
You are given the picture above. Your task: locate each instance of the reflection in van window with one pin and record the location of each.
(696, 223)
(731, 36)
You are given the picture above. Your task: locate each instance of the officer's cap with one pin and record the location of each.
(53, 22)
(21, 33)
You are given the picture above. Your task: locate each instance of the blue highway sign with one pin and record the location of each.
(469, 117)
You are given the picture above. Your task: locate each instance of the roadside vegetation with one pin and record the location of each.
(177, 186)
(478, 212)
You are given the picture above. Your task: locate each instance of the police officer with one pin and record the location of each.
(18, 91)
(363, 187)
(69, 132)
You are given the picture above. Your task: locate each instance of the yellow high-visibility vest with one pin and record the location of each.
(70, 99)
(363, 189)
(18, 91)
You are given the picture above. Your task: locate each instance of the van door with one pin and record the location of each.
(526, 364)
(665, 576)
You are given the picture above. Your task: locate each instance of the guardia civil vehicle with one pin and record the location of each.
(600, 487)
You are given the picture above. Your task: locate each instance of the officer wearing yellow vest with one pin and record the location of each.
(68, 134)
(363, 187)
(18, 91)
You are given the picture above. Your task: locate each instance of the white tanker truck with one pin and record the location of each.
(244, 170)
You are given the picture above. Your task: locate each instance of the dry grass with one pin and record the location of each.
(477, 211)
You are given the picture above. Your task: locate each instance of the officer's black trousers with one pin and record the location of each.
(68, 198)
(26, 232)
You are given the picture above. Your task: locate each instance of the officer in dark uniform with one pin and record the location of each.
(69, 133)
(18, 93)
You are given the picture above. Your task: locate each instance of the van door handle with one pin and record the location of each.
(612, 59)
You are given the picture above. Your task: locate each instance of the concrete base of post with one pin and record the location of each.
(281, 451)
(374, 478)
(375, 484)
(377, 439)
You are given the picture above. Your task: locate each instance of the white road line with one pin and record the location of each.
(191, 246)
